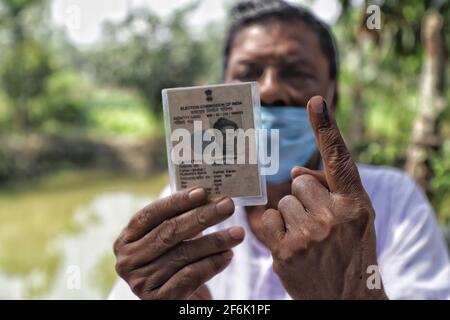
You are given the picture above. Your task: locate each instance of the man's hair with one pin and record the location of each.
(224, 122)
(247, 12)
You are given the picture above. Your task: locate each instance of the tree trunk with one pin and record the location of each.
(425, 136)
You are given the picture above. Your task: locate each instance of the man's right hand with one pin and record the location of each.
(157, 254)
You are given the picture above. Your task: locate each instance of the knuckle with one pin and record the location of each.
(151, 283)
(164, 204)
(184, 284)
(177, 201)
(129, 250)
(202, 216)
(125, 237)
(304, 182)
(122, 250)
(167, 204)
(306, 235)
(220, 241)
(167, 231)
(182, 255)
(286, 202)
(173, 203)
(187, 278)
(137, 285)
(216, 263)
(286, 255)
(117, 246)
(323, 232)
(122, 266)
(143, 215)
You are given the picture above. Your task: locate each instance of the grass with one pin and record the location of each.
(121, 112)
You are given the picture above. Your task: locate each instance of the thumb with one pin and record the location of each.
(318, 174)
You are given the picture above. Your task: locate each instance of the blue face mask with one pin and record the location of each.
(297, 141)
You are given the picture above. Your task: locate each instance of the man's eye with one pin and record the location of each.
(296, 73)
(249, 74)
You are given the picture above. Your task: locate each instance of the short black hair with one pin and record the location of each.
(247, 12)
(224, 122)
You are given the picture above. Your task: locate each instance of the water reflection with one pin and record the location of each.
(41, 251)
(90, 250)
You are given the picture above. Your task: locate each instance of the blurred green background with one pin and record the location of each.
(81, 133)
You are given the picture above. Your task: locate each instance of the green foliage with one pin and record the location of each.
(25, 70)
(440, 183)
(61, 105)
(119, 112)
(149, 54)
(14, 7)
(25, 62)
(389, 75)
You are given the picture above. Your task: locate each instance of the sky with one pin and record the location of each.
(83, 18)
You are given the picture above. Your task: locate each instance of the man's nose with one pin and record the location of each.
(271, 89)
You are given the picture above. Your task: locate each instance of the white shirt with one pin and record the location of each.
(412, 256)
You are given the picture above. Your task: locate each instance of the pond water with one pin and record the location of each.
(56, 234)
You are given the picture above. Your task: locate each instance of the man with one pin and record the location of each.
(324, 233)
(224, 124)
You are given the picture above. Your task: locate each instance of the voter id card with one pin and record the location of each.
(212, 140)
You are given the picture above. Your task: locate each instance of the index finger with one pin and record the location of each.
(340, 171)
(160, 210)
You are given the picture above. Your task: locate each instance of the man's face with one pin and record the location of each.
(286, 60)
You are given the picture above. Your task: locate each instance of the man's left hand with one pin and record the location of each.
(322, 237)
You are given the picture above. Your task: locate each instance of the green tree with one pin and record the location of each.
(389, 84)
(149, 54)
(25, 62)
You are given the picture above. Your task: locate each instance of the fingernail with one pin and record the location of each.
(294, 171)
(319, 107)
(197, 195)
(225, 206)
(316, 104)
(236, 233)
(296, 168)
(227, 254)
